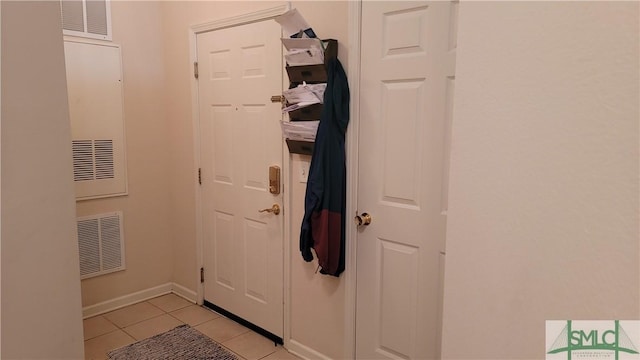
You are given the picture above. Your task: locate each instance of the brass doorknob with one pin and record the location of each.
(363, 219)
(274, 209)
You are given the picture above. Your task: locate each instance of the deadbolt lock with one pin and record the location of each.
(274, 179)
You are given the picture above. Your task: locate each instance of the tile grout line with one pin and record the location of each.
(137, 322)
(111, 322)
(221, 343)
(123, 329)
(165, 312)
(128, 333)
(244, 333)
(271, 353)
(131, 336)
(97, 336)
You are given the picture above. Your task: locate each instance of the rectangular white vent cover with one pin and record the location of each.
(101, 244)
(86, 18)
(92, 160)
(96, 108)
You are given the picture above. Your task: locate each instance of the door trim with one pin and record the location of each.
(259, 15)
(194, 30)
(355, 20)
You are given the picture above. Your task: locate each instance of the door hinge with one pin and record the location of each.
(195, 69)
(200, 176)
(201, 275)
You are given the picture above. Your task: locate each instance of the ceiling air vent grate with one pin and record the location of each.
(86, 18)
(101, 244)
(97, 17)
(72, 15)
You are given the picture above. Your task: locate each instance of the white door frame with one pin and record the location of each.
(194, 30)
(353, 71)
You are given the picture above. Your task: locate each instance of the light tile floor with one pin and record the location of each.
(125, 326)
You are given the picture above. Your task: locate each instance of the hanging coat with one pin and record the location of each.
(323, 225)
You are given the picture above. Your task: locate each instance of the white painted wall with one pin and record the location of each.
(41, 308)
(543, 208)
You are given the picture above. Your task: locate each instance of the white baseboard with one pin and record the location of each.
(303, 351)
(291, 345)
(136, 297)
(185, 293)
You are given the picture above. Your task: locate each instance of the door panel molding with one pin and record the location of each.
(242, 19)
(194, 30)
(243, 250)
(408, 47)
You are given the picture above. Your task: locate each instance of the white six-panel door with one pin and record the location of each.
(240, 68)
(406, 83)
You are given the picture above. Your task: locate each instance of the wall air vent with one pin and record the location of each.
(86, 18)
(82, 160)
(94, 87)
(101, 244)
(103, 155)
(92, 160)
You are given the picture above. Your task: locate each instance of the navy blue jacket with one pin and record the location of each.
(323, 225)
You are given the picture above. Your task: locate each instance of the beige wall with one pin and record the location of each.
(41, 308)
(160, 233)
(137, 27)
(317, 301)
(544, 175)
(543, 205)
